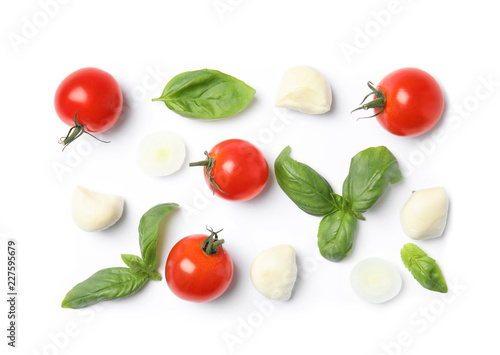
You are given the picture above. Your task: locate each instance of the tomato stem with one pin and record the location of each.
(74, 132)
(209, 165)
(210, 245)
(378, 102)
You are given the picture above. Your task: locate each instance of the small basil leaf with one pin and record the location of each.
(336, 235)
(304, 186)
(128, 259)
(206, 94)
(371, 171)
(148, 231)
(139, 268)
(423, 268)
(104, 285)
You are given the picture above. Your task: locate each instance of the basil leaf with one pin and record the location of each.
(336, 235)
(139, 268)
(128, 259)
(304, 186)
(104, 285)
(148, 231)
(206, 94)
(370, 173)
(423, 268)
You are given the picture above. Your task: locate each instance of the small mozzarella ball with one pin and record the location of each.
(375, 280)
(94, 211)
(304, 89)
(161, 153)
(274, 271)
(425, 213)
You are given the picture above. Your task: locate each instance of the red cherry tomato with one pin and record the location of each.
(90, 100)
(407, 102)
(199, 274)
(235, 170)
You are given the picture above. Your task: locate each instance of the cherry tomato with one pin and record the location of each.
(198, 269)
(235, 170)
(89, 100)
(407, 102)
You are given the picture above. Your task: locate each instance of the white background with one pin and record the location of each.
(144, 44)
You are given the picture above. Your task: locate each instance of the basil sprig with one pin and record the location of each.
(117, 282)
(370, 173)
(423, 268)
(206, 94)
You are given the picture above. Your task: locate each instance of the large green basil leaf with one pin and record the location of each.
(423, 268)
(336, 235)
(304, 186)
(104, 285)
(148, 231)
(206, 94)
(371, 171)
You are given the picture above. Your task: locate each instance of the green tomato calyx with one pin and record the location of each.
(210, 244)
(209, 165)
(378, 102)
(74, 132)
